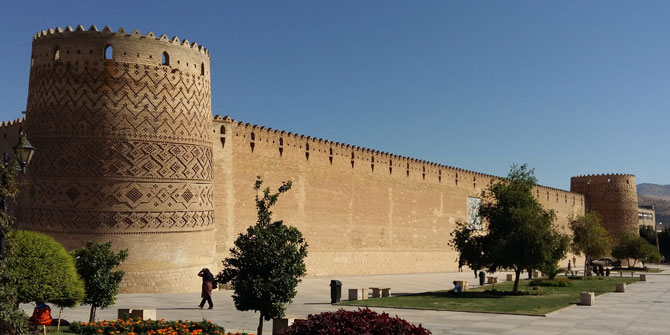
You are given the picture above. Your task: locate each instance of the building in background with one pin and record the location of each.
(647, 216)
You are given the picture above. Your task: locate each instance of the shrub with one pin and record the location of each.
(142, 327)
(42, 270)
(561, 282)
(506, 293)
(362, 321)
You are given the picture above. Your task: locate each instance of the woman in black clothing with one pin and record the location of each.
(207, 285)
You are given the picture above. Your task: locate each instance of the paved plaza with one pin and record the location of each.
(641, 310)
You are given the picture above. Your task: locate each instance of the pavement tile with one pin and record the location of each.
(641, 310)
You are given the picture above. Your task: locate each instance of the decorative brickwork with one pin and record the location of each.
(614, 196)
(122, 123)
(128, 152)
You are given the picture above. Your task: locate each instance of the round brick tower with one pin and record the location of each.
(122, 125)
(614, 196)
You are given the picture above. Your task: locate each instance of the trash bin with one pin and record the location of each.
(482, 274)
(335, 291)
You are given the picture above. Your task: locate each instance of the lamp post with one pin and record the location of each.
(23, 153)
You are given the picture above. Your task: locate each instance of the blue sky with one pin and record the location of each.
(569, 87)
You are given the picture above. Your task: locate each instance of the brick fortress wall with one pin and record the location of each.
(362, 211)
(124, 151)
(128, 152)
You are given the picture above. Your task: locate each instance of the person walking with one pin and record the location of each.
(570, 267)
(207, 286)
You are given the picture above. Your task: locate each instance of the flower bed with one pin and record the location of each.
(148, 327)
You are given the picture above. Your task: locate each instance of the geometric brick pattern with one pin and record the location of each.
(54, 220)
(124, 144)
(613, 196)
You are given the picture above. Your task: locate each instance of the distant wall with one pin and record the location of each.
(362, 211)
(9, 136)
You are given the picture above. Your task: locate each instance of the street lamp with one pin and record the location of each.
(23, 152)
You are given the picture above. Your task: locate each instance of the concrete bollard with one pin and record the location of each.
(137, 314)
(643, 277)
(281, 324)
(510, 277)
(587, 298)
(620, 287)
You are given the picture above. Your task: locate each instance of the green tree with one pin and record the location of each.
(41, 269)
(664, 243)
(267, 261)
(558, 245)
(469, 244)
(589, 237)
(95, 263)
(632, 246)
(518, 232)
(12, 318)
(648, 233)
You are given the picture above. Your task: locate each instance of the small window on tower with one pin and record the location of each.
(165, 59)
(109, 52)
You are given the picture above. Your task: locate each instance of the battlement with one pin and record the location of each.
(12, 123)
(382, 160)
(9, 134)
(623, 178)
(58, 31)
(80, 46)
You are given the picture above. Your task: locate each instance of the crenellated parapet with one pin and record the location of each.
(614, 196)
(80, 46)
(371, 160)
(9, 135)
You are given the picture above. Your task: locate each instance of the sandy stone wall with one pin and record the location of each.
(128, 152)
(362, 211)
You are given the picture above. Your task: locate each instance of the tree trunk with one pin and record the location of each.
(260, 324)
(91, 316)
(516, 280)
(60, 312)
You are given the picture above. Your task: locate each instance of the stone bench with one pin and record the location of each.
(621, 287)
(463, 284)
(587, 298)
(380, 292)
(137, 314)
(281, 324)
(491, 280)
(358, 294)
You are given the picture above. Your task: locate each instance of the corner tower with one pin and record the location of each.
(614, 196)
(122, 123)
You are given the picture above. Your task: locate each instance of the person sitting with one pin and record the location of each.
(457, 288)
(41, 316)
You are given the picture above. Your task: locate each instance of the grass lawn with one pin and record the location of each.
(51, 330)
(551, 299)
